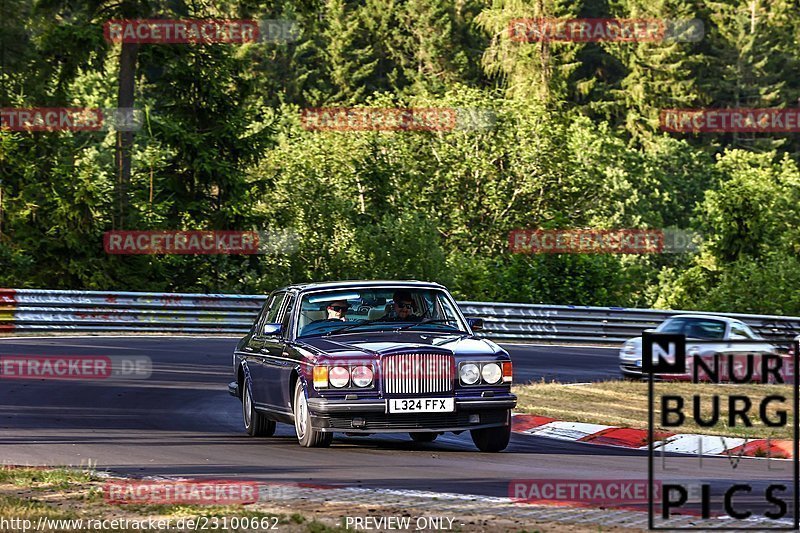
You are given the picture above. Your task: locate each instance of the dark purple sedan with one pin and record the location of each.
(318, 358)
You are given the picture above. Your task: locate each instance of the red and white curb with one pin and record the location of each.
(542, 426)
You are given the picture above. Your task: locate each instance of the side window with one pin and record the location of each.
(277, 303)
(673, 326)
(262, 315)
(286, 315)
(445, 310)
(750, 333)
(741, 331)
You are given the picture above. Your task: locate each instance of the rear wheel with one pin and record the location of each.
(423, 437)
(491, 439)
(255, 423)
(307, 436)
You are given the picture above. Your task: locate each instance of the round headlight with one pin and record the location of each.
(629, 347)
(469, 374)
(362, 376)
(491, 373)
(339, 376)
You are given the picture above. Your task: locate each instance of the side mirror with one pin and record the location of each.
(271, 329)
(476, 324)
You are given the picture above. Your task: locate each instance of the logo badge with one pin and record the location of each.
(663, 353)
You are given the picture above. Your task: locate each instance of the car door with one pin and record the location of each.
(245, 348)
(277, 366)
(740, 332)
(257, 360)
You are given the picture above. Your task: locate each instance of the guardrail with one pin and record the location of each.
(35, 310)
(604, 325)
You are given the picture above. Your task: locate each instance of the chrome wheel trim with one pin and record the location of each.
(301, 413)
(248, 406)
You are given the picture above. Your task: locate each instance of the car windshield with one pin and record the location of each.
(377, 309)
(695, 328)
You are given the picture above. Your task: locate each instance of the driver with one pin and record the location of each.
(337, 310)
(403, 308)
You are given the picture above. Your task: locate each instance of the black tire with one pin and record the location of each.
(307, 436)
(423, 437)
(255, 423)
(491, 439)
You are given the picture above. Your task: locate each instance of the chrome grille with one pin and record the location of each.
(417, 373)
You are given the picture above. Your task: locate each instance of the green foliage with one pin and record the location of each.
(750, 260)
(567, 136)
(748, 285)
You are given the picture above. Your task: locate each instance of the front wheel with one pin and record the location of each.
(255, 423)
(307, 436)
(491, 439)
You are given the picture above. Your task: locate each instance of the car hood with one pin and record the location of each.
(372, 344)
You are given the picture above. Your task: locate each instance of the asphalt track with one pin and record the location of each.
(182, 422)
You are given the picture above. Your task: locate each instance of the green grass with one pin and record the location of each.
(319, 527)
(12, 506)
(55, 477)
(209, 511)
(69, 494)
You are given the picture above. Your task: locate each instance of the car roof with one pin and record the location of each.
(709, 317)
(411, 284)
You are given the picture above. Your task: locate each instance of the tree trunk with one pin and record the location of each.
(125, 99)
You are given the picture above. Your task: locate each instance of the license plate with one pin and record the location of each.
(422, 405)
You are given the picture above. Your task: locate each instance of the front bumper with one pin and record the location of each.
(628, 368)
(370, 416)
(326, 406)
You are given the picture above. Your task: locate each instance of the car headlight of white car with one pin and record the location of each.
(628, 350)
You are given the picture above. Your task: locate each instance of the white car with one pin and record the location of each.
(704, 327)
(791, 346)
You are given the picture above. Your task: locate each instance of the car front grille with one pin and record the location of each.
(418, 373)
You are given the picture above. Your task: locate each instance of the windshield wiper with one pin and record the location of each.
(351, 326)
(427, 321)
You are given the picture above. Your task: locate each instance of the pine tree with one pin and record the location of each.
(350, 61)
(752, 61)
(660, 73)
(539, 69)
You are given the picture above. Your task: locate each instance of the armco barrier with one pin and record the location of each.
(32, 310)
